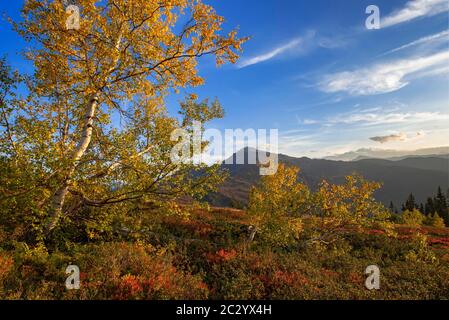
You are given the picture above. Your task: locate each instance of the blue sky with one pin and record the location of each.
(312, 70)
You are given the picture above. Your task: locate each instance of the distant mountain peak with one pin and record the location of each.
(246, 156)
(388, 154)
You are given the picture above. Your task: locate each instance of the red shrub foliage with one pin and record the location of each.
(6, 263)
(197, 228)
(439, 241)
(376, 232)
(221, 256)
(130, 287)
(289, 278)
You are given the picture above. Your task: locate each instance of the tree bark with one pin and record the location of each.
(58, 199)
(251, 233)
(59, 196)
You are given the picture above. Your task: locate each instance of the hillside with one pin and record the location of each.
(418, 175)
(207, 257)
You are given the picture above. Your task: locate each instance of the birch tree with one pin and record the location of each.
(117, 67)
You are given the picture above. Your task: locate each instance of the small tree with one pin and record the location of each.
(441, 207)
(276, 205)
(339, 208)
(391, 207)
(422, 209)
(429, 207)
(410, 204)
(413, 218)
(435, 220)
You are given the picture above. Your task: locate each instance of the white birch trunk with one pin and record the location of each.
(58, 198)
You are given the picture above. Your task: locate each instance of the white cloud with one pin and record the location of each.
(271, 54)
(389, 118)
(381, 78)
(331, 43)
(307, 121)
(415, 9)
(432, 72)
(383, 117)
(300, 45)
(441, 36)
(337, 140)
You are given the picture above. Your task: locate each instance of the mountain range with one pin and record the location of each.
(369, 153)
(420, 175)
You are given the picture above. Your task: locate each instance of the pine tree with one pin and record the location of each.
(410, 204)
(441, 206)
(447, 198)
(440, 201)
(430, 207)
(391, 207)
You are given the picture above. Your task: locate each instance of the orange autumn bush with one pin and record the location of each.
(136, 271)
(221, 255)
(108, 271)
(6, 263)
(139, 271)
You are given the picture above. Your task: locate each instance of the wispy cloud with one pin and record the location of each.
(415, 9)
(299, 45)
(382, 77)
(306, 121)
(437, 71)
(381, 117)
(441, 36)
(332, 42)
(392, 137)
(271, 54)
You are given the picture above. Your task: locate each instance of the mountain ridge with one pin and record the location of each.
(418, 175)
(389, 154)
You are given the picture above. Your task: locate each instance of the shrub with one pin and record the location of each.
(276, 204)
(435, 220)
(339, 209)
(108, 271)
(413, 218)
